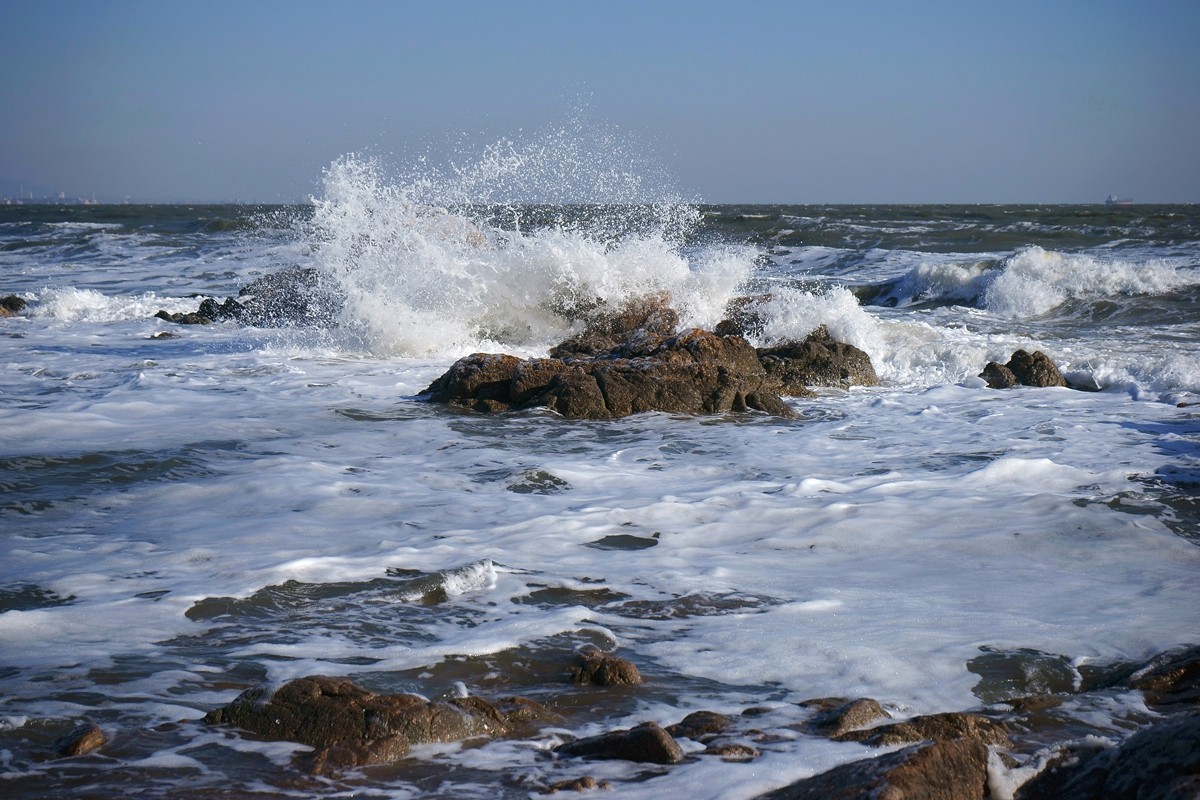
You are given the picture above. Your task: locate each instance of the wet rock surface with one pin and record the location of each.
(634, 361)
(602, 669)
(81, 740)
(647, 743)
(349, 726)
(1023, 369)
(11, 305)
(939, 770)
(1161, 762)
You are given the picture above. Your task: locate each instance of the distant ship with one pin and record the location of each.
(1113, 200)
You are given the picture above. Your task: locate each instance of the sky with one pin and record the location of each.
(848, 101)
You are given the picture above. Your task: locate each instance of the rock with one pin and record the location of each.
(695, 372)
(191, 318)
(647, 743)
(1161, 762)
(640, 323)
(603, 669)
(1170, 679)
(939, 727)
(731, 751)
(1035, 369)
(838, 716)
(743, 316)
(1024, 369)
(82, 740)
(939, 770)
(998, 376)
(699, 725)
(349, 726)
(291, 296)
(11, 305)
(819, 360)
(585, 784)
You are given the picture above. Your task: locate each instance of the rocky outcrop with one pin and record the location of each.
(632, 360)
(647, 743)
(938, 770)
(699, 726)
(349, 726)
(1023, 369)
(695, 372)
(1161, 762)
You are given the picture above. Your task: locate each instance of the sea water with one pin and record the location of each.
(184, 517)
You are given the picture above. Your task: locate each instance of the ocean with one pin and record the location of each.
(183, 517)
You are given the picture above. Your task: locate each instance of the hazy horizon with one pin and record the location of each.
(769, 102)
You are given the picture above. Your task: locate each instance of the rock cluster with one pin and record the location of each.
(1023, 369)
(633, 360)
(948, 755)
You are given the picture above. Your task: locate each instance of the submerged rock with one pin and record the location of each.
(190, 318)
(647, 743)
(80, 741)
(939, 770)
(1023, 369)
(350, 726)
(700, 725)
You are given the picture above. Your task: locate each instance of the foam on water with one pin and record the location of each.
(190, 516)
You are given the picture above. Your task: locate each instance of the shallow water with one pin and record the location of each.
(190, 516)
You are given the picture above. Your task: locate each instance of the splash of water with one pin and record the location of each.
(511, 249)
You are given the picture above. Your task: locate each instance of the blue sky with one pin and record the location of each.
(806, 102)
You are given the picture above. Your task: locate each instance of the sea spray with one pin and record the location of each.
(441, 263)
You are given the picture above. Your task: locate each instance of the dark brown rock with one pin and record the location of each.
(695, 372)
(350, 726)
(1171, 679)
(1161, 762)
(838, 716)
(604, 669)
(731, 751)
(585, 784)
(743, 316)
(646, 743)
(191, 318)
(1024, 369)
(952, 770)
(998, 376)
(939, 727)
(1035, 369)
(80, 741)
(700, 725)
(819, 360)
(637, 326)
(11, 305)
